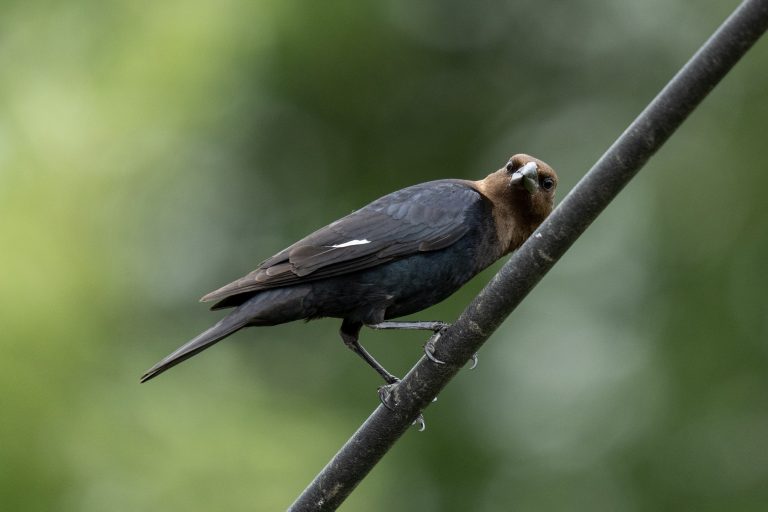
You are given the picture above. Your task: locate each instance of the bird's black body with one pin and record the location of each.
(400, 278)
(398, 255)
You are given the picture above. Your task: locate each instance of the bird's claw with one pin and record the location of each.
(429, 348)
(420, 422)
(385, 395)
(387, 400)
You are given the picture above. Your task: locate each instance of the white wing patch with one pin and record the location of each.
(351, 243)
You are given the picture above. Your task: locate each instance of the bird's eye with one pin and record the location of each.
(510, 166)
(548, 183)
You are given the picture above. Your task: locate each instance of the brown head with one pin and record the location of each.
(523, 194)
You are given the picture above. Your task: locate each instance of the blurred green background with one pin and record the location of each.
(153, 151)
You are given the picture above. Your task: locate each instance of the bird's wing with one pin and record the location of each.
(420, 218)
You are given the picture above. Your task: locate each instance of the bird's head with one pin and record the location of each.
(532, 184)
(523, 194)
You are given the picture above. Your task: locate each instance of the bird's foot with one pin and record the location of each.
(429, 351)
(387, 400)
(386, 396)
(434, 326)
(429, 347)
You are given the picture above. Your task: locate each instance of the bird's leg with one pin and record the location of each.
(429, 348)
(350, 332)
(413, 326)
(437, 327)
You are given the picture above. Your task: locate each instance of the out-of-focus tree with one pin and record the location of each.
(150, 153)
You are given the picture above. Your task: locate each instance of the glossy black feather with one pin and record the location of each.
(422, 218)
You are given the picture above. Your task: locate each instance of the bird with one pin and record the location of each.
(396, 256)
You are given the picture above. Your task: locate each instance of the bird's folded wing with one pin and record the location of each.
(424, 217)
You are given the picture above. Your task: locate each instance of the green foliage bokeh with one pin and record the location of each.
(151, 152)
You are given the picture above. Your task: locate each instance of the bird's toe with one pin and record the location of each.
(430, 347)
(386, 395)
(419, 421)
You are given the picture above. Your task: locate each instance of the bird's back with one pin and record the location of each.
(404, 225)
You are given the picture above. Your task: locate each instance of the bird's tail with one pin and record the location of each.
(270, 307)
(226, 326)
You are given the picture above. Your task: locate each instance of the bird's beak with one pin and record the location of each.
(527, 176)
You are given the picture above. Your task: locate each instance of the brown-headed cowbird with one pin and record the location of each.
(398, 255)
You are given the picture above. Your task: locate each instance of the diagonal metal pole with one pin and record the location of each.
(540, 252)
